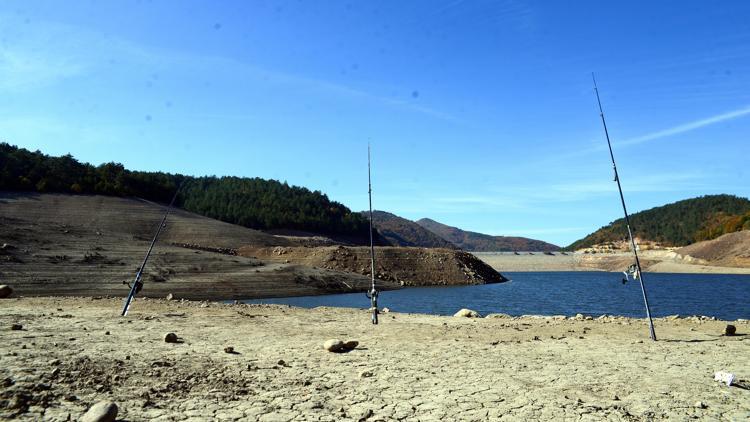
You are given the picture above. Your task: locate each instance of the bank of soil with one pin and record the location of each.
(74, 352)
(405, 266)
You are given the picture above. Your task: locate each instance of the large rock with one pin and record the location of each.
(104, 411)
(5, 291)
(334, 345)
(170, 338)
(730, 330)
(467, 313)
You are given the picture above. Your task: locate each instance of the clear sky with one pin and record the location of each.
(481, 114)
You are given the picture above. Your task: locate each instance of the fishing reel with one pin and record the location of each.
(632, 271)
(373, 296)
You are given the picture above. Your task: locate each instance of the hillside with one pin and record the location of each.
(250, 202)
(478, 242)
(677, 224)
(398, 231)
(54, 244)
(730, 250)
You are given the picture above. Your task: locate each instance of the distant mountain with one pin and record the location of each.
(478, 242)
(398, 231)
(678, 224)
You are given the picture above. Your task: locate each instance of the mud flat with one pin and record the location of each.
(74, 352)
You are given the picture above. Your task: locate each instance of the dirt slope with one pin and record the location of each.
(729, 250)
(87, 245)
(407, 266)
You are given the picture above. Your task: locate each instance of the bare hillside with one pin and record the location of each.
(729, 250)
(54, 244)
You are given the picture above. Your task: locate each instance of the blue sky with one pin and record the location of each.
(481, 114)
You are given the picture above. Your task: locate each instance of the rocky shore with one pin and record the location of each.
(61, 356)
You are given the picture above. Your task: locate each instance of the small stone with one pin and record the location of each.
(170, 296)
(333, 345)
(281, 362)
(700, 405)
(16, 327)
(104, 411)
(579, 316)
(467, 313)
(615, 398)
(366, 374)
(170, 338)
(730, 330)
(385, 310)
(5, 291)
(229, 349)
(106, 333)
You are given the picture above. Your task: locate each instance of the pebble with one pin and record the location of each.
(104, 411)
(467, 313)
(730, 330)
(700, 405)
(385, 310)
(170, 296)
(16, 327)
(229, 349)
(170, 338)
(333, 345)
(366, 374)
(5, 291)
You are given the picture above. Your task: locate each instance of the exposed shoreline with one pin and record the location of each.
(409, 367)
(653, 261)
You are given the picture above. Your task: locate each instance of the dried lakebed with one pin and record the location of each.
(74, 352)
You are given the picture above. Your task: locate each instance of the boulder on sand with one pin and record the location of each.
(5, 291)
(334, 345)
(170, 338)
(730, 330)
(104, 411)
(467, 313)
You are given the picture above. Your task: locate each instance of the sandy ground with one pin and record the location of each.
(73, 352)
(653, 261)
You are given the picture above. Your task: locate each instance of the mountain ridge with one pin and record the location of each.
(480, 242)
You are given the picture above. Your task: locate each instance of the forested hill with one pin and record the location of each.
(398, 231)
(678, 224)
(250, 202)
(479, 242)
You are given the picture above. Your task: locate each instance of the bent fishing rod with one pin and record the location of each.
(634, 270)
(373, 293)
(138, 283)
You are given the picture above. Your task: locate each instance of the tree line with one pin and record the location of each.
(251, 202)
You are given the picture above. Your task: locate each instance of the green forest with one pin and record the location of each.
(250, 202)
(680, 223)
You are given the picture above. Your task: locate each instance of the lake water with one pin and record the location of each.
(563, 293)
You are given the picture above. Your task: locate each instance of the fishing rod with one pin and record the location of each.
(138, 283)
(373, 293)
(634, 270)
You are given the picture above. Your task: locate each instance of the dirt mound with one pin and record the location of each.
(407, 266)
(88, 245)
(729, 250)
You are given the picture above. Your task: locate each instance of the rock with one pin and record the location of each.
(16, 327)
(351, 345)
(170, 338)
(730, 330)
(229, 349)
(672, 317)
(579, 316)
(366, 374)
(170, 296)
(700, 405)
(467, 313)
(334, 345)
(104, 411)
(5, 291)
(385, 310)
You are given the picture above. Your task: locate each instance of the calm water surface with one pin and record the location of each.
(564, 293)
